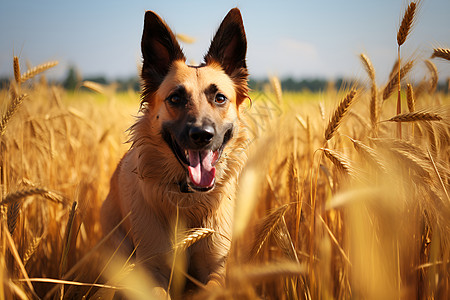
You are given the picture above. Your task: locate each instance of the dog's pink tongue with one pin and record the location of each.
(201, 170)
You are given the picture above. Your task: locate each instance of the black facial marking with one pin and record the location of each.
(211, 91)
(179, 96)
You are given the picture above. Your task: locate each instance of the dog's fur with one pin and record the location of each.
(191, 117)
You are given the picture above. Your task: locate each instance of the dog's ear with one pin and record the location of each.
(159, 50)
(229, 48)
(229, 45)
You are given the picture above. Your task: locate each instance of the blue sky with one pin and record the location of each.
(285, 38)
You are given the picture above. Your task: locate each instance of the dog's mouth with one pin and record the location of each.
(200, 164)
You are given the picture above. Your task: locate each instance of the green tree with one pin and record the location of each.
(73, 79)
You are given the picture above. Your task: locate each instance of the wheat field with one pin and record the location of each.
(345, 195)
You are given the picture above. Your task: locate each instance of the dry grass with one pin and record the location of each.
(326, 210)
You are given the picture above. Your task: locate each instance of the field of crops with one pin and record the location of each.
(344, 196)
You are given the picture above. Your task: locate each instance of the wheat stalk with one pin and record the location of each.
(193, 236)
(12, 107)
(257, 273)
(339, 114)
(433, 76)
(442, 53)
(394, 70)
(416, 116)
(37, 70)
(390, 87)
(68, 237)
(266, 227)
(407, 21)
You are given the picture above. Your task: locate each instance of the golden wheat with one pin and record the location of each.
(393, 82)
(373, 91)
(382, 232)
(37, 70)
(416, 116)
(193, 236)
(339, 114)
(16, 70)
(340, 162)
(266, 227)
(407, 22)
(441, 53)
(12, 107)
(19, 195)
(410, 98)
(434, 78)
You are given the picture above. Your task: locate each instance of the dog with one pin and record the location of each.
(188, 148)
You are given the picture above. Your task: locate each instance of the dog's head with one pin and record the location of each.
(193, 110)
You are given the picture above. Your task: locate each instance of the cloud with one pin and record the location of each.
(298, 48)
(285, 56)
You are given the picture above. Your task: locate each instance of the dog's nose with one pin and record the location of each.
(201, 136)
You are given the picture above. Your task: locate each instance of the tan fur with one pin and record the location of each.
(146, 181)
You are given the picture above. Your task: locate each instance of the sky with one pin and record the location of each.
(300, 39)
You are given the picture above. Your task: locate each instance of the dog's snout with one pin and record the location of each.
(201, 136)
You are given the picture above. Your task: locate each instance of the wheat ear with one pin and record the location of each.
(34, 244)
(410, 98)
(407, 22)
(16, 66)
(339, 114)
(441, 53)
(19, 195)
(193, 236)
(12, 216)
(368, 154)
(276, 86)
(411, 103)
(402, 34)
(433, 75)
(12, 107)
(373, 107)
(37, 70)
(341, 162)
(416, 116)
(390, 87)
(266, 227)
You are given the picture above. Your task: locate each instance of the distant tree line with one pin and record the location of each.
(73, 80)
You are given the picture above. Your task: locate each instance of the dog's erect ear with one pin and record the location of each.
(229, 45)
(159, 50)
(229, 48)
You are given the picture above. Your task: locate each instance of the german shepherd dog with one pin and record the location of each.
(188, 149)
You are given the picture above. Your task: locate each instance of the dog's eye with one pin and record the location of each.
(220, 99)
(175, 99)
